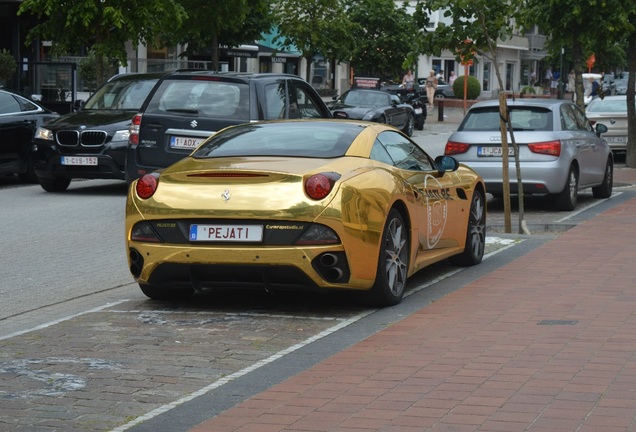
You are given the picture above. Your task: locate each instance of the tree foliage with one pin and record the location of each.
(385, 34)
(587, 27)
(215, 23)
(8, 66)
(315, 27)
(104, 27)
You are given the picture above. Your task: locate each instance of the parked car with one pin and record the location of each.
(621, 84)
(91, 142)
(417, 99)
(443, 90)
(19, 119)
(560, 153)
(304, 204)
(375, 106)
(188, 106)
(612, 112)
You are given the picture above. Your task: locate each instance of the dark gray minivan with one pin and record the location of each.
(188, 106)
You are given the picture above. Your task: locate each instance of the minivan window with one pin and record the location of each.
(229, 100)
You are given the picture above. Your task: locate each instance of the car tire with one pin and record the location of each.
(604, 190)
(566, 200)
(163, 293)
(392, 272)
(440, 96)
(28, 176)
(419, 123)
(475, 233)
(410, 125)
(58, 184)
(382, 119)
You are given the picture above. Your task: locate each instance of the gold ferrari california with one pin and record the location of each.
(307, 204)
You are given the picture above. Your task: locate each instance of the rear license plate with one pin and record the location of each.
(616, 139)
(226, 233)
(79, 160)
(186, 143)
(418, 110)
(493, 151)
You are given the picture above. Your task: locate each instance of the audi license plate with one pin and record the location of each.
(226, 233)
(79, 160)
(483, 151)
(186, 143)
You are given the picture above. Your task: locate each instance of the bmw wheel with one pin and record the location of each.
(475, 233)
(390, 280)
(604, 190)
(566, 199)
(163, 293)
(410, 125)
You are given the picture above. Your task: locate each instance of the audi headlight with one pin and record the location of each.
(44, 134)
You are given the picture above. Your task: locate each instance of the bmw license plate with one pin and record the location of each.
(185, 143)
(226, 233)
(79, 160)
(484, 151)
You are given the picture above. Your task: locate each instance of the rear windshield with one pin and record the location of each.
(523, 118)
(310, 139)
(605, 105)
(228, 100)
(123, 94)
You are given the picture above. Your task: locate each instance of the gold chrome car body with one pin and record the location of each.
(434, 205)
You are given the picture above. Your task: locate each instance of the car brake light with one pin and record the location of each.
(147, 185)
(133, 139)
(320, 185)
(453, 147)
(552, 148)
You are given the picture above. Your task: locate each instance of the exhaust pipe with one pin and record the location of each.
(329, 260)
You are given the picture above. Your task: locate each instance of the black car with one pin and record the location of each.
(91, 142)
(443, 90)
(375, 106)
(19, 119)
(188, 106)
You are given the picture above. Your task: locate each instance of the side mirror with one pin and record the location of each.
(78, 104)
(600, 129)
(446, 163)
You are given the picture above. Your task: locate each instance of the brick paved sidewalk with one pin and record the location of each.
(545, 343)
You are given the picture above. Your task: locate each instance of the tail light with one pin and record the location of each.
(453, 147)
(133, 139)
(320, 185)
(147, 185)
(552, 148)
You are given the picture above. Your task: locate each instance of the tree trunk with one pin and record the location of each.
(630, 158)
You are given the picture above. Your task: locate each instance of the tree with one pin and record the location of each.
(104, 27)
(8, 67)
(315, 27)
(384, 35)
(215, 23)
(585, 27)
(475, 29)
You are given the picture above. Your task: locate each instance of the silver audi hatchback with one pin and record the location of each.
(560, 153)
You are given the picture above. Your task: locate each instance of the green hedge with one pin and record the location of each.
(473, 91)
